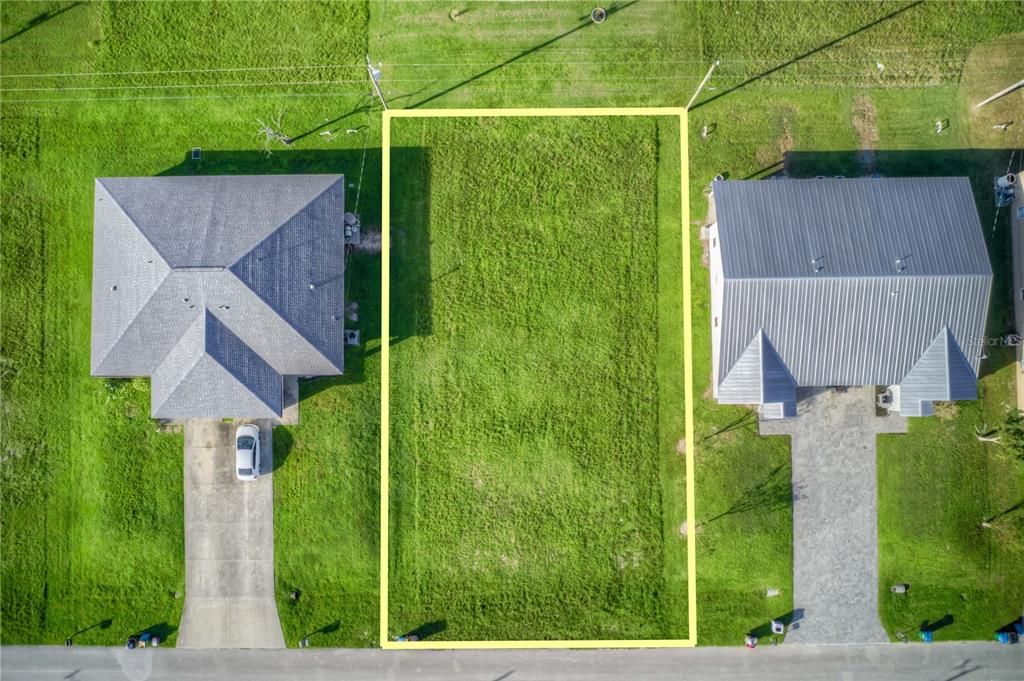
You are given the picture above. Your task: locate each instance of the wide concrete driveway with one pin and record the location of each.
(229, 545)
(835, 515)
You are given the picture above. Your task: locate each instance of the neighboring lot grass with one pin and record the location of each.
(536, 393)
(437, 54)
(91, 491)
(936, 486)
(937, 483)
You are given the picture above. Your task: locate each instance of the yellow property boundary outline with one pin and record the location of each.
(385, 386)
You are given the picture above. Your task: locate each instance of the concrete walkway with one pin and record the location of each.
(835, 515)
(229, 545)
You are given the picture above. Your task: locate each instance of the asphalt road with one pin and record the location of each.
(883, 662)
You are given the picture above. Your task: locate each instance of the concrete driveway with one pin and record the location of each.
(835, 515)
(229, 545)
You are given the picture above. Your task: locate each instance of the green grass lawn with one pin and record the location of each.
(535, 381)
(937, 483)
(936, 486)
(91, 492)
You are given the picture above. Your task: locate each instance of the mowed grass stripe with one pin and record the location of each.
(526, 473)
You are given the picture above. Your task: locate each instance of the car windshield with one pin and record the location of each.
(245, 471)
(246, 442)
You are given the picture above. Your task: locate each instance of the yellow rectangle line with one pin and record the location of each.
(541, 644)
(565, 112)
(691, 544)
(385, 360)
(691, 499)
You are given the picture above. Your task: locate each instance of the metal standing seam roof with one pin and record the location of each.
(856, 227)
(216, 285)
(897, 261)
(942, 373)
(759, 377)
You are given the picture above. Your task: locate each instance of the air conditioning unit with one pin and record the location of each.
(351, 337)
(885, 400)
(352, 229)
(1005, 188)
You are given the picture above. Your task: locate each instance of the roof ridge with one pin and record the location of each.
(340, 178)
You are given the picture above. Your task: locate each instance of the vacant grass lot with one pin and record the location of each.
(536, 381)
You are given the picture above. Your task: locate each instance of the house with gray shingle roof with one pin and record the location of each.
(847, 282)
(218, 288)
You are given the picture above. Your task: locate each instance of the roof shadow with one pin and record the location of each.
(411, 271)
(980, 166)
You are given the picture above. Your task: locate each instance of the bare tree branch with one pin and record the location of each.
(269, 134)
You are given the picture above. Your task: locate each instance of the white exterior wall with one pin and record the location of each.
(717, 285)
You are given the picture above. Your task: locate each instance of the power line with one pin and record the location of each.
(867, 77)
(145, 73)
(362, 162)
(184, 97)
(171, 86)
(421, 64)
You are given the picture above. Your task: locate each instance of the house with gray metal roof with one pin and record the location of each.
(847, 282)
(218, 288)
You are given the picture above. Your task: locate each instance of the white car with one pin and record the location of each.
(248, 463)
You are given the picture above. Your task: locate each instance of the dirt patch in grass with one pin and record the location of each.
(775, 154)
(865, 122)
(947, 411)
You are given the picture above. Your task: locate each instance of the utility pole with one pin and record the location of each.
(375, 79)
(999, 94)
(702, 84)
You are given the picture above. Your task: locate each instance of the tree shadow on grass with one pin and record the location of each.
(162, 630)
(935, 625)
(776, 491)
(425, 631)
(980, 166)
